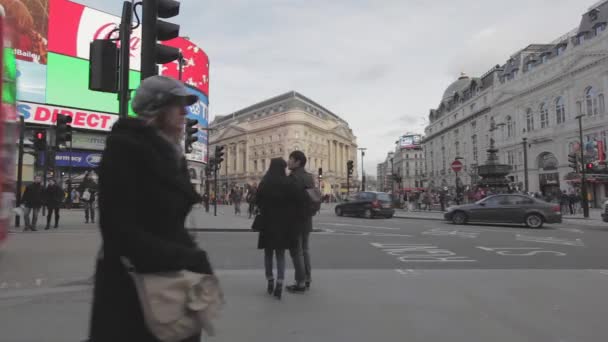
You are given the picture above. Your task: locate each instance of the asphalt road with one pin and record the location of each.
(407, 280)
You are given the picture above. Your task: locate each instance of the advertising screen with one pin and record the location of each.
(31, 82)
(411, 141)
(68, 85)
(195, 69)
(200, 112)
(28, 22)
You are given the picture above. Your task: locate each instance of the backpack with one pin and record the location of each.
(314, 197)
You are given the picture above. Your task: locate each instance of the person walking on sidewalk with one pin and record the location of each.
(251, 199)
(145, 194)
(53, 198)
(275, 199)
(302, 222)
(32, 201)
(88, 188)
(237, 196)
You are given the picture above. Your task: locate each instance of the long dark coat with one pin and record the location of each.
(144, 195)
(276, 200)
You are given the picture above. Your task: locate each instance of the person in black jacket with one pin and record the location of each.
(302, 222)
(145, 194)
(53, 197)
(32, 201)
(275, 198)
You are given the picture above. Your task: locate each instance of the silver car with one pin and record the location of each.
(507, 208)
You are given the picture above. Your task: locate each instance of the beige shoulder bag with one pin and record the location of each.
(177, 305)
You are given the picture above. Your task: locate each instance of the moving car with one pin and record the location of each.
(367, 204)
(507, 208)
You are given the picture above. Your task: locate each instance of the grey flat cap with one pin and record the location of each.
(157, 91)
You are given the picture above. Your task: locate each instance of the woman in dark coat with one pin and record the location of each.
(144, 195)
(275, 197)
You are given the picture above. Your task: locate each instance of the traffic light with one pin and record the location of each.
(191, 134)
(350, 167)
(219, 156)
(63, 132)
(573, 161)
(320, 172)
(154, 30)
(589, 166)
(210, 167)
(40, 140)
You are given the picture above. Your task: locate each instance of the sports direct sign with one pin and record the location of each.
(47, 115)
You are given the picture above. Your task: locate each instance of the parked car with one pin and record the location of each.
(605, 212)
(508, 208)
(367, 204)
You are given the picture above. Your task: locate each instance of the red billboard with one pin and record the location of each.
(195, 69)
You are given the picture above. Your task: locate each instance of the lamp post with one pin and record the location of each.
(456, 182)
(524, 143)
(392, 177)
(362, 149)
(585, 201)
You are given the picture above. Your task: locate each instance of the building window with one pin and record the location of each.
(263, 164)
(473, 124)
(560, 110)
(530, 66)
(560, 50)
(474, 146)
(543, 58)
(529, 120)
(510, 158)
(255, 166)
(457, 148)
(472, 107)
(544, 116)
(600, 98)
(599, 29)
(591, 99)
(581, 38)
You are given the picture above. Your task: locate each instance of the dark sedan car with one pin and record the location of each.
(367, 204)
(506, 209)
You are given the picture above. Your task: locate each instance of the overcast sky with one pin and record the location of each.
(380, 65)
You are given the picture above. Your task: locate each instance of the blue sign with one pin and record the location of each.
(79, 159)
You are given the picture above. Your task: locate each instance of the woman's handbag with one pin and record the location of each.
(177, 305)
(258, 223)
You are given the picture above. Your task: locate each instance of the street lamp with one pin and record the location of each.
(524, 142)
(362, 149)
(583, 171)
(456, 182)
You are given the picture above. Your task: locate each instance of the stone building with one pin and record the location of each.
(274, 128)
(409, 164)
(534, 97)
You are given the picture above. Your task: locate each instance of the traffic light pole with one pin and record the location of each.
(215, 190)
(584, 199)
(19, 168)
(123, 76)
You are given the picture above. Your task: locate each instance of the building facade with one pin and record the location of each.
(276, 127)
(409, 165)
(531, 102)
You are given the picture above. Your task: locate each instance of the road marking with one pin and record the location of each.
(605, 272)
(355, 225)
(420, 253)
(406, 272)
(519, 251)
(452, 232)
(325, 231)
(551, 240)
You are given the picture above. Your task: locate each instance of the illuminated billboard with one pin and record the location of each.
(68, 85)
(410, 141)
(28, 22)
(200, 112)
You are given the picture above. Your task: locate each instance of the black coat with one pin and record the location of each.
(302, 218)
(53, 196)
(33, 196)
(144, 196)
(277, 201)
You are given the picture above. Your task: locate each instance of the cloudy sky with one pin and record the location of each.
(380, 65)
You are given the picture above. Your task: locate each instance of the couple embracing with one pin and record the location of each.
(286, 205)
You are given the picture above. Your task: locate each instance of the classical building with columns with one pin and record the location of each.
(529, 106)
(274, 128)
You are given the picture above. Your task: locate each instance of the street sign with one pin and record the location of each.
(456, 166)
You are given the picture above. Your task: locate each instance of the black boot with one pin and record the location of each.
(270, 287)
(278, 290)
(296, 288)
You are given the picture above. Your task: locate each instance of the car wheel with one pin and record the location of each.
(459, 218)
(339, 211)
(389, 216)
(367, 214)
(534, 221)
